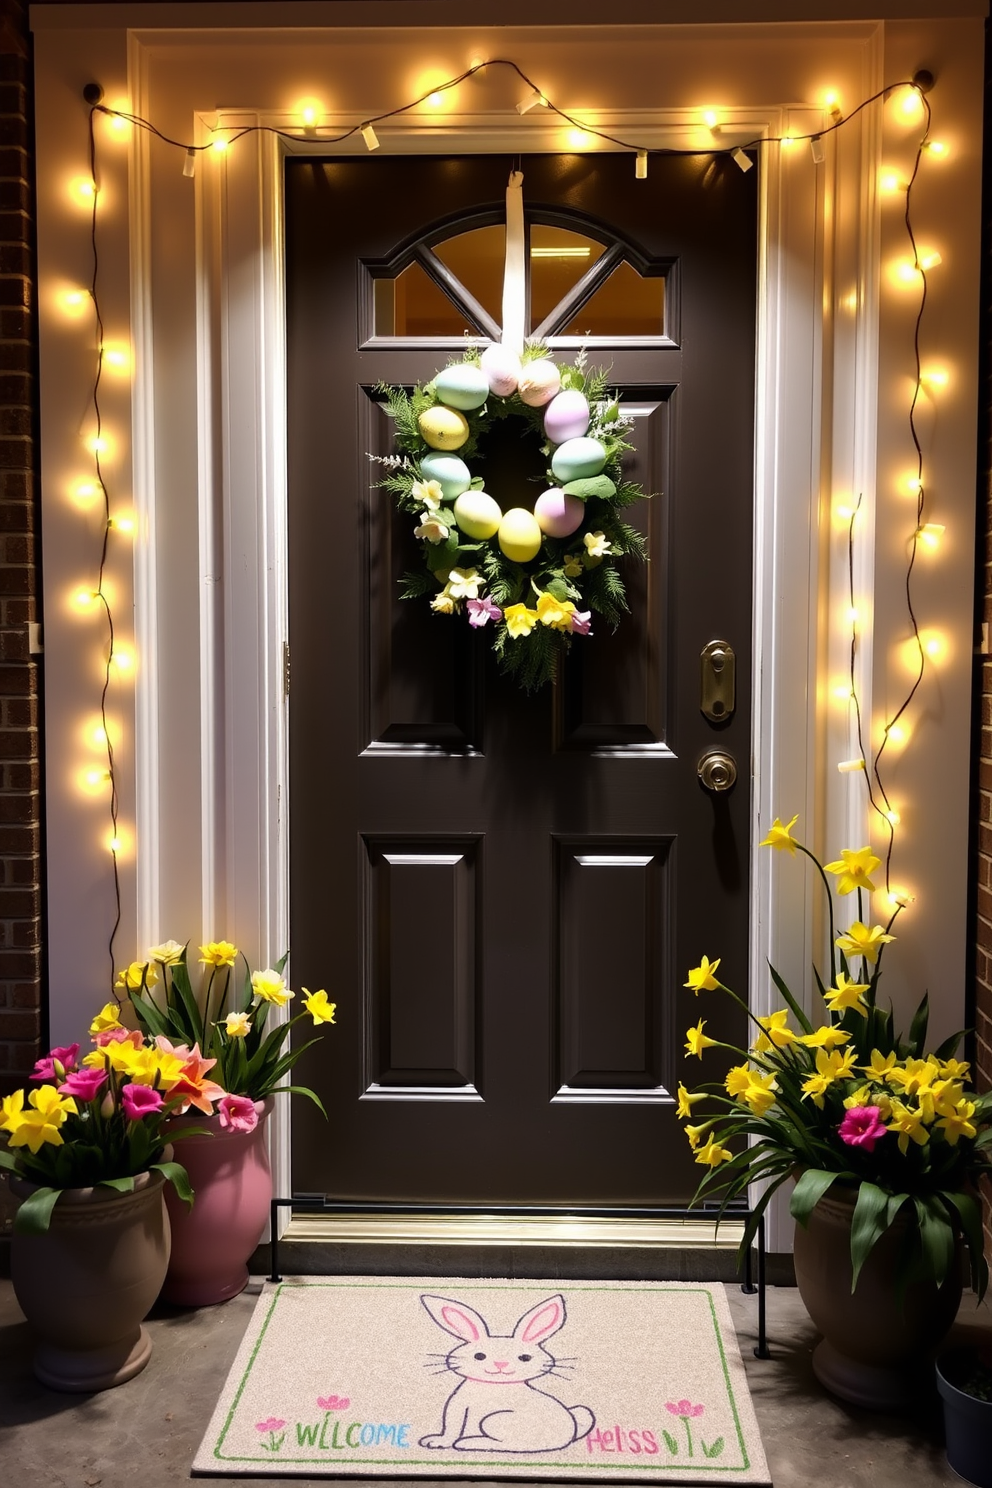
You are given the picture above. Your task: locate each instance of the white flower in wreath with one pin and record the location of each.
(429, 493)
(443, 604)
(431, 527)
(596, 544)
(463, 583)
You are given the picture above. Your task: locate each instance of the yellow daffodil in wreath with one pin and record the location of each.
(535, 572)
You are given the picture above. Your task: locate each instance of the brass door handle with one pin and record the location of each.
(717, 681)
(717, 770)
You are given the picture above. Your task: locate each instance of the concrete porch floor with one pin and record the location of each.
(144, 1434)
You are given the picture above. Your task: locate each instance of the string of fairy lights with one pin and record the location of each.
(582, 134)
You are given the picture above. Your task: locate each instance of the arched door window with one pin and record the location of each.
(584, 286)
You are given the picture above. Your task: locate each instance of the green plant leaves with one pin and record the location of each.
(809, 1190)
(35, 1213)
(870, 1221)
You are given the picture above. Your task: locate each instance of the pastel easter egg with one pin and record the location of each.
(477, 514)
(539, 382)
(578, 458)
(566, 416)
(462, 386)
(443, 428)
(519, 535)
(451, 474)
(502, 369)
(558, 514)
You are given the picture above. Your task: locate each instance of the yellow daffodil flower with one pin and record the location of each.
(130, 979)
(218, 953)
(687, 1099)
(597, 545)
(712, 1154)
(317, 1005)
(237, 1025)
(858, 1098)
(464, 583)
(428, 493)
(573, 566)
(443, 603)
(10, 1109)
(846, 994)
(520, 621)
(830, 1067)
(556, 612)
(108, 1017)
(955, 1069)
(269, 986)
(946, 1095)
(696, 1040)
(169, 953)
(695, 1134)
(852, 869)
(780, 836)
(737, 1079)
(759, 1093)
(909, 1124)
(915, 1076)
(860, 941)
(775, 1033)
(881, 1065)
(38, 1123)
(959, 1122)
(702, 978)
(825, 1038)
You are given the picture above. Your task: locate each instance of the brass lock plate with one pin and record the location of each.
(717, 681)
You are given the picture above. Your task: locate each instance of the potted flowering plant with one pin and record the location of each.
(87, 1148)
(886, 1142)
(250, 1062)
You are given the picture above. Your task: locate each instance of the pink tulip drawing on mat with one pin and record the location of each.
(333, 1402)
(687, 1412)
(272, 1425)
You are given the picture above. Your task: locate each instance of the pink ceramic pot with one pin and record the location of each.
(232, 1184)
(87, 1283)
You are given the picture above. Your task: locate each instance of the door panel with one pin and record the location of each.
(503, 892)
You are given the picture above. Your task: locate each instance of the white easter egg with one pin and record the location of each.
(539, 382)
(502, 369)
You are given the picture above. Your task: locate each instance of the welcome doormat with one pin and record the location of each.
(396, 1377)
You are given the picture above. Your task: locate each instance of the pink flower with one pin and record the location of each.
(683, 1408)
(862, 1127)
(83, 1083)
(140, 1100)
(119, 1036)
(581, 622)
(56, 1065)
(237, 1112)
(480, 611)
(333, 1402)
(272, 1424)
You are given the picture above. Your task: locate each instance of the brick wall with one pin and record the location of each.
(21, 998)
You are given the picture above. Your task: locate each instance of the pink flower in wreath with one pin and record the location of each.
(237, 1113)
(862, 1127)
(582, 622)
(138, 1101)
(684, 1408)
(480, 611)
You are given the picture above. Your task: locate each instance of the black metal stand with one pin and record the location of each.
(320, 1204)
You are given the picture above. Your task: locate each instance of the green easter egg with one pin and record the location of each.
(450, 472)
(462, 386)
(577, 459)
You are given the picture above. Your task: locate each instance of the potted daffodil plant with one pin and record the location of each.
(885, 1139)
(248, 1055)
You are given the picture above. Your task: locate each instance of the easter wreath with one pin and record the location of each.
(536, 574)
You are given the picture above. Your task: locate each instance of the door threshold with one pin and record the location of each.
(502, 1230)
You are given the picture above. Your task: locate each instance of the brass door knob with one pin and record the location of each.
(717, 770)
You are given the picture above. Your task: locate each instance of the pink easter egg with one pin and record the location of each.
(502, 368)
(566, 417)
(559, 515)
(539, 382)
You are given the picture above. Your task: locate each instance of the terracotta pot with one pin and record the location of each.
(876, 1350)
(86, 1284)
(232, 1185)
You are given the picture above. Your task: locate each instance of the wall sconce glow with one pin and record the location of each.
(929, 535)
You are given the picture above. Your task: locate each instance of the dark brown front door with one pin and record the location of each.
(503, 892)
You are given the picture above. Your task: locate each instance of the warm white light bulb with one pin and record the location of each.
(930, 260)
(711, 118)
(435, 99)
(930, 534)
(936, 147)
(220, 144)
(893, 818)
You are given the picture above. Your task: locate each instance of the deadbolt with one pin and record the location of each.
(717, 681)
(717, 770)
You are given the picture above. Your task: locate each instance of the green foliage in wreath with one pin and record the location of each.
(535, 576)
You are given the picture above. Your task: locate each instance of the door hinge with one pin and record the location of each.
(286, 667)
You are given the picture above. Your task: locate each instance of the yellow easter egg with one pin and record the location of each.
(443, 428)
(519, 535)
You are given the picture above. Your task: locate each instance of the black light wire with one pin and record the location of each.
(308, 134)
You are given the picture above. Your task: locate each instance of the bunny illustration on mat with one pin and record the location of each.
(497, 1404)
